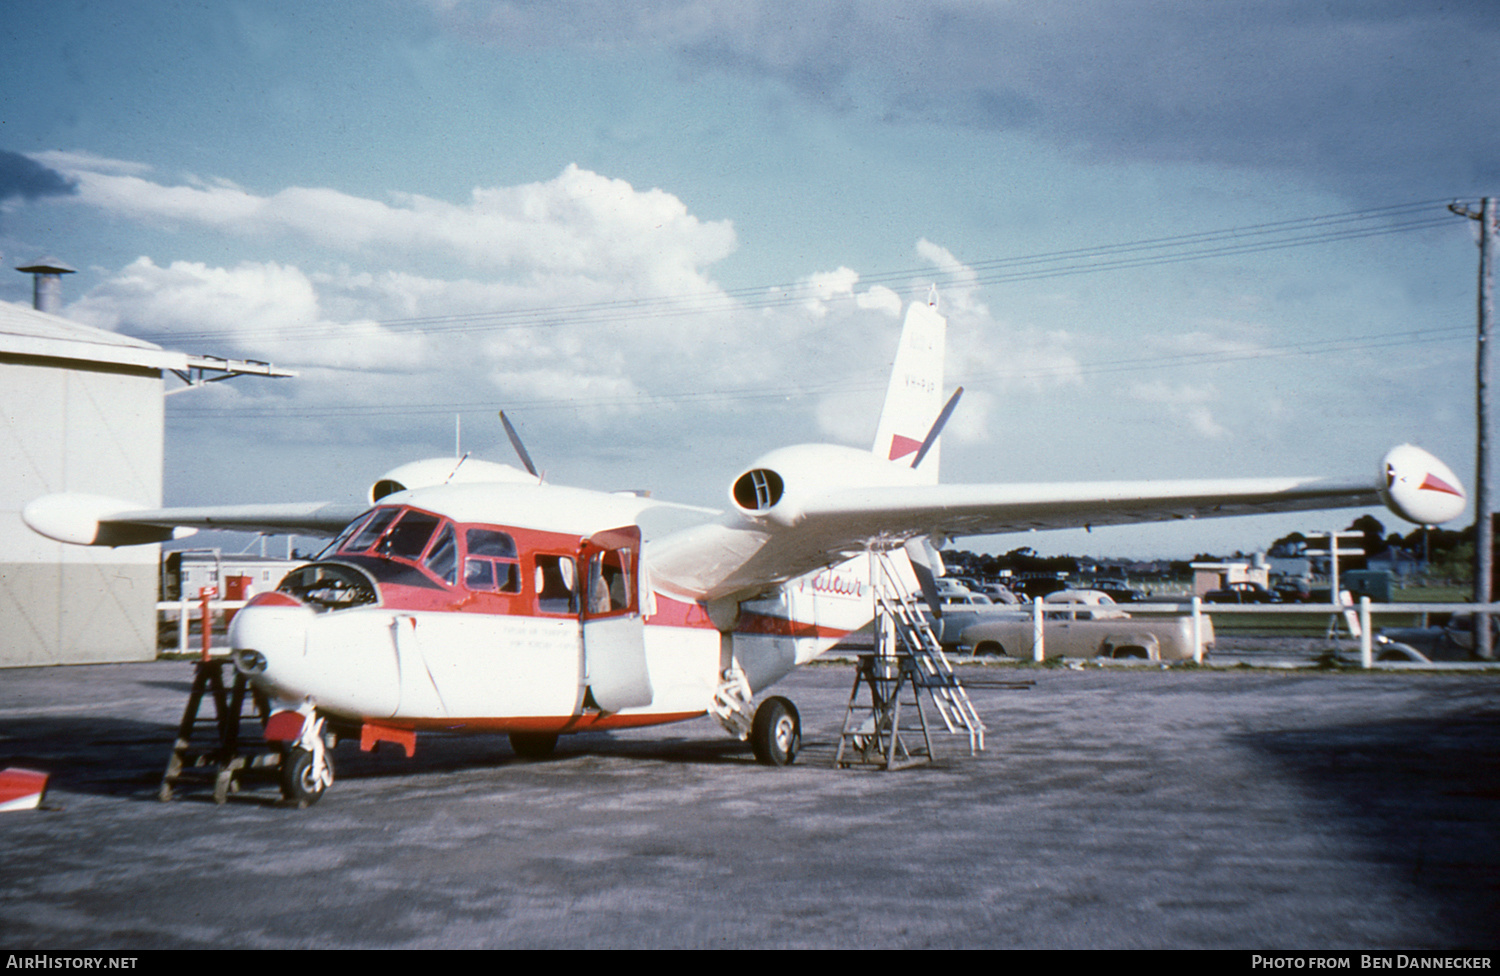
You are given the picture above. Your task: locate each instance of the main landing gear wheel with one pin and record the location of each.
(301, 782)
(533, 745)
(776, 734)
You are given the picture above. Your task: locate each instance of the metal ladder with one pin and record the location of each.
(907, 655)
(934, 672)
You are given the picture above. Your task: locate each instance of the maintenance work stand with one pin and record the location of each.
(890, 684)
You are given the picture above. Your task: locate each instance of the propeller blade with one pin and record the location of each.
(515, 442)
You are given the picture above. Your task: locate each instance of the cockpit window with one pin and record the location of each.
(372, 529)
(342, 537)
(443, 559)
(408, 537)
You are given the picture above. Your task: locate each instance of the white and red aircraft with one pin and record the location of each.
(481, 598)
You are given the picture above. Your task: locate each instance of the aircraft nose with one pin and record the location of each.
(268, 634)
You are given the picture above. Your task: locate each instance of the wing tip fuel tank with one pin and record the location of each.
(84, 520)
(1420, 488)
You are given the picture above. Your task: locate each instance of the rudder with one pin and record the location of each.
(914, 398)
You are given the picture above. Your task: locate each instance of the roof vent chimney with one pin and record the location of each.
(46, 289)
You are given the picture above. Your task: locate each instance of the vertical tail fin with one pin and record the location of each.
(914, 399)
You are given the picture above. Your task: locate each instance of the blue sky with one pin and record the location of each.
(430, 209)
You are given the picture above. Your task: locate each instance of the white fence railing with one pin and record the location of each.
(1357, 616)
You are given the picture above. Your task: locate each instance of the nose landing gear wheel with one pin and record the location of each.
(301, 781)
(776, 734)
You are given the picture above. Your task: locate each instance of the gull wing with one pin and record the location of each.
(741, 555)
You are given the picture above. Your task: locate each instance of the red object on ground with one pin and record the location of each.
(21, 789)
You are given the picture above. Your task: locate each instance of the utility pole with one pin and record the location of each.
(1484, 545)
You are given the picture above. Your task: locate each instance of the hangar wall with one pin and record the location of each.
(94, 428)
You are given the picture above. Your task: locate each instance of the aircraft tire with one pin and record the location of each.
(298, 784)
(776, 734)
(989, 649)
(533, 745)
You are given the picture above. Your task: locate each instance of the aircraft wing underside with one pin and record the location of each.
(91, 520)
(989, 509)
(722, 560)
(302, 518)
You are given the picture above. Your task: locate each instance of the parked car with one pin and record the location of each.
(1240, 593)
(1087, 623)
(948, 584)
(999, 593)
(959, 610)
(1459, 630)
(1121, 593)
(1029, 587)
(1293, 591)
(965, 599)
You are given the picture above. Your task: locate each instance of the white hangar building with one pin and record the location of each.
(81, 410)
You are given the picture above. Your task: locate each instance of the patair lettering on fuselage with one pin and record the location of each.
(835, 584)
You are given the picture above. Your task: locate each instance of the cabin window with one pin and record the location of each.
(491, 564)
(490, 542)
(609, 581)
(487, 574)
(556, 584)
(442, 561)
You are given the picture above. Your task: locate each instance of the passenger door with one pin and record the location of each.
(614, 639)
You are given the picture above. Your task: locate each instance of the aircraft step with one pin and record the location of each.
(218, 757)
(901, 614)
(882, 730)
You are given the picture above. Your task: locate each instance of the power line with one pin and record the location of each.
(1149, 252)
(1305, 347)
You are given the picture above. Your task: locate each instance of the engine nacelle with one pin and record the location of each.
(772, 487)
(1420, 488)
(445, 471)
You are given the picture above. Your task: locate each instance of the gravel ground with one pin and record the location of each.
(1113, 808)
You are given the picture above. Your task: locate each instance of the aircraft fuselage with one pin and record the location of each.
(427, 614)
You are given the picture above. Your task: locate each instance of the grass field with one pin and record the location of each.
(1316, 624)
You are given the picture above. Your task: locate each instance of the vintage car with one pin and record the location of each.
(1087, 623)
(1243, 592)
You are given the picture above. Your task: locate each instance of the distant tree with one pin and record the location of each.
(1288, 546)
(1374, 534)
